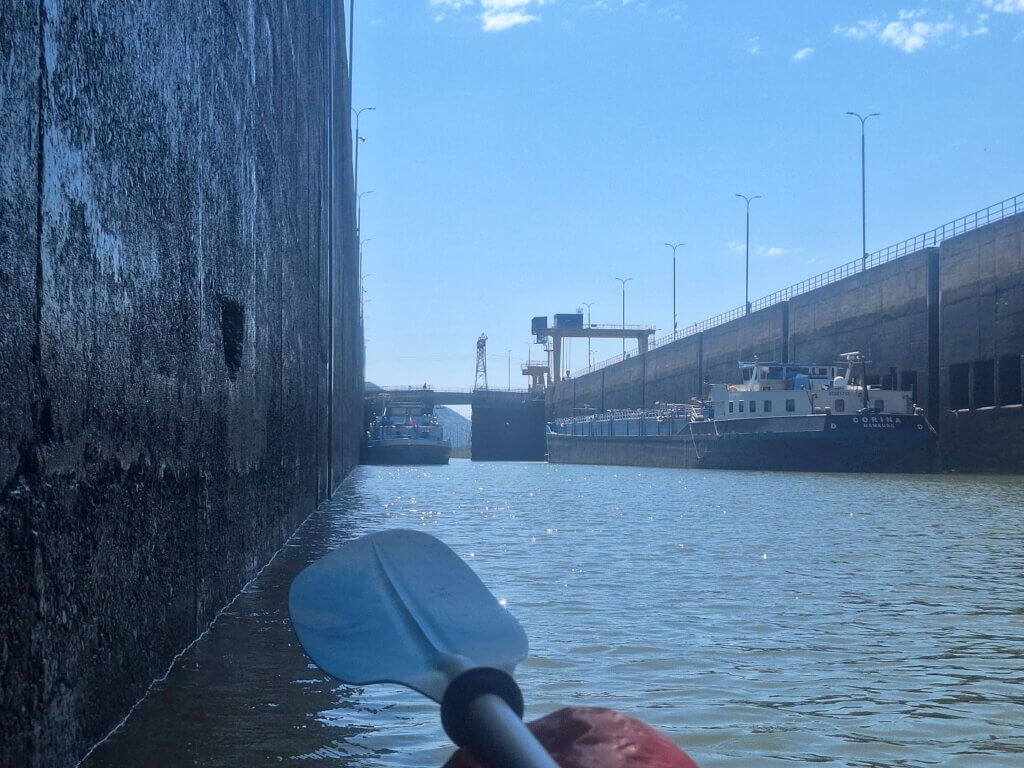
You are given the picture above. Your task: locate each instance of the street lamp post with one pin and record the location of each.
(623, 280)
(359, 211)
(359, 228)
(590, 357)
(675, 324)
(362, 294)
(358, 138)
(362, 277)
(863, 194)
(746, 282)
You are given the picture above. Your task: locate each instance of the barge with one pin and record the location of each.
(787, 417)
(406, 433)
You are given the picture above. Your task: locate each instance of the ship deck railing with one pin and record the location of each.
(670, 411)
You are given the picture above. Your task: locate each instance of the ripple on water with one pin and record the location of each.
(755, 618)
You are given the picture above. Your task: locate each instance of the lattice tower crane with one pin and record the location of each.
(480, 382)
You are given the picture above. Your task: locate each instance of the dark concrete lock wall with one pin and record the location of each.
(177, 258)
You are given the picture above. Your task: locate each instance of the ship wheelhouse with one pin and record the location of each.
(791, 389)
(402, 421)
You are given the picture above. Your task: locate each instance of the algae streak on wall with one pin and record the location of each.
(180, 353)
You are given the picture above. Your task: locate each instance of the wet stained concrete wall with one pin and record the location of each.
(507, 429)
(885, 313)
(982, 348)
(947, 322)
(760, 334)
(674, 372)
(177, 258)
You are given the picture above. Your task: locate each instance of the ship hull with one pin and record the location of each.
(814, 443)
(400, 452)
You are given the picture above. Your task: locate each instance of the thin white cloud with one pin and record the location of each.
(862, 30)
(739, 247)
(911, 30)
(754, 46)
(802, 54)
(444, 7)
(911, 14)
(499, 21)
(1006, 6)
(495, 15)
(914, 35)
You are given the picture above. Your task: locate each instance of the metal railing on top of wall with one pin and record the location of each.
(980, 218)
(419, 388)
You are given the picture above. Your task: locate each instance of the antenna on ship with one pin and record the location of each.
(857, 357)
(480, 382)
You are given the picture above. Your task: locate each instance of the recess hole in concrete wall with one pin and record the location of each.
(1009, 380)
(958, 389)
(984, 383)
(232, 330)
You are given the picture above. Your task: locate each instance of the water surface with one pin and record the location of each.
(755, 618)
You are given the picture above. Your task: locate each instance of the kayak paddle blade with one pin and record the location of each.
(400, 607)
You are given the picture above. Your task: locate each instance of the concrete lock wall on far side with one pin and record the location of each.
(173, 239)
(673, 372)
(760, 334)
(883, 313)
(982, 343)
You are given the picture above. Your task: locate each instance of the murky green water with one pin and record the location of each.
(756, 618)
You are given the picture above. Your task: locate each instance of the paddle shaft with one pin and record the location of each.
(400, 607)
(500, 739)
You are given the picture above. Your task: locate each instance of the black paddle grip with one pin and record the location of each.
(468, 687)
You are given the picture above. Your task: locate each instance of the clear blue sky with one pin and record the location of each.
(524, 153)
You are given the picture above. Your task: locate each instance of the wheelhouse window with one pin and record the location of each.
(790, 406)
(767, 406)
(730, 406)
(741, 406)
(879, 405)
(840, 405)
(753, 406)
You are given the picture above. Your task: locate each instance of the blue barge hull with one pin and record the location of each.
(811, 443)
(398, 452)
